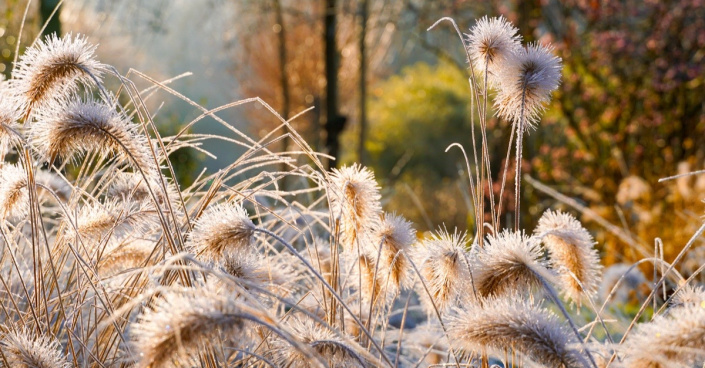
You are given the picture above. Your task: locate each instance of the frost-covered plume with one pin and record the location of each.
(445, 269)
(510, 262)
(572, 254)
(526, 82)
(181, 323)
(52, 69)
(394, 237)
(490, 42)
(675, 340)
(72, 128)
(324, 342)
(355, 200)
(513, 323)
(14, 196)
(222, 228)
(23, 348)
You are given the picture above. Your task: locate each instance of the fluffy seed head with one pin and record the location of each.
(52, 69)
(688, 296)
(70, 129)
(23, 349)
(395, 236)
(678, 338)
(509, 262)
(355, 198)
(132, 186)
(97, 220)
(180, 323)
(444, 268)
(125, 255)
(9, 115)
(321, 340)
(490, 42)
(572, 254)
(251, 269)
(526, 82)
(514, 323)
(14, 197)
(221, 228)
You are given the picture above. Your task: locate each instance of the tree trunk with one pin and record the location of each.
(335, 123)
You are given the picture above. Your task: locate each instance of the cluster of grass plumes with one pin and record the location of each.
(106, 261)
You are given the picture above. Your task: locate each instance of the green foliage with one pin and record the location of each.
(414, 116)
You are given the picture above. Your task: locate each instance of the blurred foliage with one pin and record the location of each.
(11, 12)
(414, 117)
(631, 105)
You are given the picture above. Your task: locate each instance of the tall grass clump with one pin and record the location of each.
(107, 261)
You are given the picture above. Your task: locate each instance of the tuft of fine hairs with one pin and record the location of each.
(355, 199)
(324, 342)
(688, 295)
(392, 239)
(510, 261)
(222, 228)
(14, 196)
(25, 349)
(678, 338)
(572, 254)
(100, 220)
(512, 322)
(444, 266)
(72, 128)
(490, 42)
(181, 323)
(52, 69)
(526, 82)
(9, 115)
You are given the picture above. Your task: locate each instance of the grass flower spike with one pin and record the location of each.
(72, 128)
(355, 199)
(490, 42)
(444, 266)
(182, 323)
(395, 236)
(51, 69)
(221, 228)
(512, 322)
(14, 197)
(510, 262)
(526, 83)
(572, 254)
(23, 349)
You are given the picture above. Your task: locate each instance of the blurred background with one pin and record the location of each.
(390, 94)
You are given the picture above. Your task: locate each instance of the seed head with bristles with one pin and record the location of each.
(221, 228)
(678, 338)
(526, 82)
(688, 295)
(572, 254)
(99, 220)
(395, 236)
(513, 323)
(14, 196)
(444, 266)
(180, 323)
(124, 255)
(51, 69)
(509, 262)
(490, 42)
(322, 341)
(75, 127)
(24, 349)
(9, 115)
(355, 198)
